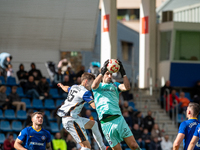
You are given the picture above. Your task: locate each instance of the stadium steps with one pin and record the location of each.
(144, 102)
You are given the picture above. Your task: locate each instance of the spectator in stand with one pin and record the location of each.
(58, 143)
(185, 102)
(82, 70)
(138, 135)
(166, 144)
(173, 102)
(22, 76)
(196, 92)
(9, 143)
(46, 123)
(66, 82)
(16, 100)
(64, 64)
(36, 73)
(71, 144)
(155, 144)
(127, 118)
(71, 74)
(5, 103)
(31, 88)
(44, 88)
(138, 119)
(5, 60)
(28, 121)
(156, 133)
(58, 78)
(88, 114)
(146, 138)
(164, 92)
(148, 121)
(127, 107)
(10, 72)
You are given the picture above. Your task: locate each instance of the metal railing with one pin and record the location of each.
(149, 75)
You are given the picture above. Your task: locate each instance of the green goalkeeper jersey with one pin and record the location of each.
(106, 98)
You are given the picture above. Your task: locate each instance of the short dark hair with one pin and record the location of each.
(87, 76)
(35, 113)
(195, 108)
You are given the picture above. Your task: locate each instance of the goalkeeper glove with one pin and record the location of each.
(121, 70)
(104, 68)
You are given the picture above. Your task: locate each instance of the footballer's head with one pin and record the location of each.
(192, 110)
(107, 78)
(87, 80)
(37, 118)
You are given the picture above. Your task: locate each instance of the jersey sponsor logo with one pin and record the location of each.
(35, 143)
(43, 138)
(192, 124)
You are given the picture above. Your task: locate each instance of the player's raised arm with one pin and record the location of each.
(178, 141)
(48, 146)
(126, 84)
(193, 142)
(98, 79)
(64, 88)
(18, 145)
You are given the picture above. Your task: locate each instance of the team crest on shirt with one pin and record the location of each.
(43, 137)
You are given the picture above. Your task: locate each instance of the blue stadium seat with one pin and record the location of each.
(49, 81)
(54, 127)
(11, 81)
(37, 104)
(49, 104)
(131, 104)
(15, 136)
(28, 102)
(2, 138)
(2, 80)
(94, 114)
(59, 102)
(187, 94)
(9, 114)
(1, 114)
(47, 112)
(21, 115)
(8, 90)
(17, 126)
(61, 126)
(180, 118)
(5, 126)
(20, 92)
(54, 93)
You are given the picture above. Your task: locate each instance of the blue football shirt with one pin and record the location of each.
(188, 128)
(34, 139)
(196, 133)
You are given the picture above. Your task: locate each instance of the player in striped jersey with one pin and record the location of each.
(69, 111)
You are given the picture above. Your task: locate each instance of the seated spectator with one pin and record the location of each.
(31, 88)
(71, 74)
(71, 144)
(58, 78)
(46, 123)
(28, 121)
(16, 100)
(148, 121)
(127, 118)
(10, 72)
(58, 143)
(67, 81)
(44, 88)
(185, 102)
(146, 138)
(78, 81)
(5, 60)
(138, 119)
(64, 64)
(9, 143)
(127, 107)
(22, 76)
(156, 132)
(5, 103)
(138, 135)
(82, 70)
(36, 73)
(163, 93)
(88, 114)
(166, 144)
(155, 144)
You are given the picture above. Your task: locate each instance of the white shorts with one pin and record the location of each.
(75, 126)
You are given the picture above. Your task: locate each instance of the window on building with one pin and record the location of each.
(128, 14)
(127, 50)
(187, 46)
(165, 44)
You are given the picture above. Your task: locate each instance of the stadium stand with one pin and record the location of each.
(1, 114)
(28, 102)
(5, 126)
(16, 126)
(21, 115)
(37, 104)
(11, 81)
(9, 114)
(54, 127)
(49, 104)
(2, 138)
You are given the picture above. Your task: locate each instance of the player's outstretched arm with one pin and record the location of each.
(193, 142)
(178, 141)
(64, 88)
(18, 145)
(48, 146)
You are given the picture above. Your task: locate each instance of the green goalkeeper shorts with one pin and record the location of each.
(116, 130)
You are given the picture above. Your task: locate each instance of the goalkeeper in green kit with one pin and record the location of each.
(106, 98)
